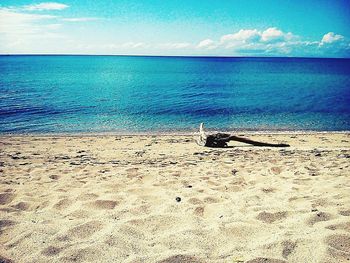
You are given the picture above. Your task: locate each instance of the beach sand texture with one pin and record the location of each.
(114, 199)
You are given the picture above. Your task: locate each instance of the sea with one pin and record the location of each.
(45, 94)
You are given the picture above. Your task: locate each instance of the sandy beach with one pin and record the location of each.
(113, 198)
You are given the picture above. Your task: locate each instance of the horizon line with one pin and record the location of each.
(179, 56)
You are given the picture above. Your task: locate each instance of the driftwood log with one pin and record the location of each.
(220, 140)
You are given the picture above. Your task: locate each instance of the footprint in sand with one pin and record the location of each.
(50, 251)
(134, 233)
(132, 172)
(211, 200)
(268, 190)
(63, 238)
(87, 197)
(18, 241)
(344, 212)
(342, 226)
(103, 204)
(80, 214)
(82, 255)
(6, 198)
(6, 223)
(181, 258)
(62, 204)
(85, 230)
(271, 217)
(195, 201)
(288, 248)
(320, 202)
(318, 217)
(339, 247)
(140, 209)
(23, 206)
(276, 170)
(5, 260)
(266, 260)
(199, 211)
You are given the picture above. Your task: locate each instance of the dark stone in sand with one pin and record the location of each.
(178, 199)
(234, 171)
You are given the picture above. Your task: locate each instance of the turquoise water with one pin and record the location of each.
(54, 94)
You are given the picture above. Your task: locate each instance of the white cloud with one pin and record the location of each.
(23, 29)
(20, 32)
(273, 41)
(46, 6)
(334, 45)
(80, 19)
(257, 40)
(133, 45)
(245, 35)
(207, 44)
(180, 45)
(272, 34)
(52, 26)
(140, 46)
(331, 37)
(16, 23)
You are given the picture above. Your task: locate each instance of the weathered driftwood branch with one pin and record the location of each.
(220, 140)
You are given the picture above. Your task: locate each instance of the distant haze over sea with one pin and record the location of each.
(131, 94)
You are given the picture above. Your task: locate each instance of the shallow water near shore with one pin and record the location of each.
(125, 94)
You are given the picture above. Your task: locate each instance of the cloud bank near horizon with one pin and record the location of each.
(34, 29)
(46, 6)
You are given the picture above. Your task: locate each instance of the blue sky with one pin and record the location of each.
(311, 28)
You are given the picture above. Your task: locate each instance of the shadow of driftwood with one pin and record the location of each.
(220, 140)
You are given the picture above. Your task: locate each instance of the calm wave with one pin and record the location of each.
(56, 94)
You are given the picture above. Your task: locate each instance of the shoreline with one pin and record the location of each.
(178, 133)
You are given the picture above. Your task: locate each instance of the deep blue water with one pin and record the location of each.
(151, 94)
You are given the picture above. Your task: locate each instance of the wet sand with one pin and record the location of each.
(166, 199)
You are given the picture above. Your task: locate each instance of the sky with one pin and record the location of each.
(291, 28)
